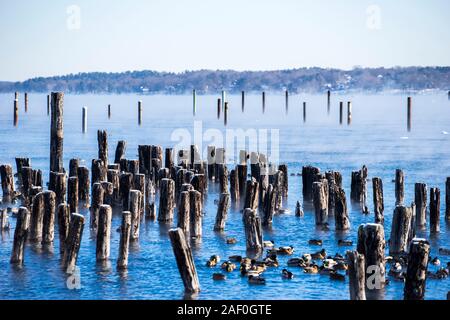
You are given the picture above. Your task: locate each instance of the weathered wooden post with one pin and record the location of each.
(48, 104)
(98, 195)
(37, 218)
(219, 106)
(104, 232)
(139, 112)
(371, 244)
(20, 163)
(109, 111)
(269, 204)
(420, 199)
(102, 140)
(242, 100)
(251, 194)
(435, 207)
(308, 177)
(125, 232)
(222, 211)
(196, 213)
(342, 221)
(234, 185)
(416, 271)
(356, 275)
(73, 242)
(349, 112)
(134, 206)
(72, 194)
(16, 108)
(320, 201)
(7, 177)
(183, 210)
(399, 187)
(263, 101)
(341, 111)
(63, 217)
(378, 199)
(98, 171)
(20, 236)
(4, 221)
(167, 200)
(253, 230)
(56, 133)
(359, 188)
(223, 99)
(83, 184)
(73, 167)
(447, 199)
(120, 151)
(185, 261)
(328, 101)
(48, 221)
(409, 109)
(225, 114)
(84, 119)
(400, 230)
(26, 101)
(286, 97)
(304, 111)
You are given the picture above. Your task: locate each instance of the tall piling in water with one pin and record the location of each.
(242, 100)
(416, 272)
(26, 101)
(263, 101)
(223, 99)
(194, 102)
(16, 108)
(408, 111)
(84, 120)
(286, 98)
(56, 132)
(328, 101)
(225, 114)
(349, 112)
(219, 106)
(341, 111)
(304, 111)
(109, 111)
(48, 104)
(139, 112)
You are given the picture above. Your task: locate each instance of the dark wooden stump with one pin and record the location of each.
(126, 184)
(222, 211)
(167, 200)
(399, 187)
(416, 272)
(102, 140)
(7, 181)
(20, 236)
(308, 177)
(400, 230)
(435, 207)
(72, 194)
(420, 199)
(48, 227)
(98, 197)
(73, 167)
(253, 230)
(378, 199)
(104, 232)
(183, 211)
(251, 194)
(125, 233)
(73, 242)
(341, 218)
(196, 213)
(98, 171)
(320, 202)
(120, 152)
(356, 275)
(134, 206)
(234, 186)
(83, 185)
(63, 217)
(56, 132)
(37, 218)
(269, 205)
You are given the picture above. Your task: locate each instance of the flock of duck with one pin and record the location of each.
(336, 267)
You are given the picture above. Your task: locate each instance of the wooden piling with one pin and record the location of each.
(72, 194)
(7, 177)
(56, 132)
(420, 199)
(378, 199)
(269, 205)
(73, 167)
(183, 210)
(98, 195)
(234, 185)
(26, 101)
(73, 242)
(222, 211)
(211, 158)
(37, 218)
(139, 112)
(251, 194)
(308, 177)
(20, 163)
(167, 200)
(304, 112)
(400, 230)
(48, 226)
(20, 236)
(399, 187)
(263, 101)
(124, 244)
(98, 171)
(371, 243)
(134, 206)
(341, 218)
(84, 184)
(4, 221)
(48, 104)
(356, 275)
(109, 111)
(416, 272)
(194, 102)
(102, 140)
(253, 230)
(63, 217)
(320, 202)
(84, 119)
(328, 101)
(447, 199)
(408, 111)
(196, 213)
(341, 111)
(286, 102)
(219, 104)
(120, 151)
(435, 207)
(223, 99)
(185, 261)
(16, 109)
(349, 112)
(359, 188)
(223, 178)
(104, 232)
(242, 100)
(225, 114)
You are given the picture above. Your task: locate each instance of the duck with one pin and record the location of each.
(396, 266)
(444, 251)
(338, 257)
(286, 250)
(268, 244)
(316, 242)
(341, 265)
(231, 240)
(313, 269)
(307, 258)
(219, 276)
(213, 260)
(337, 276)
(228, 266)
(298, 210)
(259, 267)
(325, 270)
(295, 262)
(235, 258)
(256, 279)
(435, 261)
(320, 255)
(345, 242)
(286, 274)
(271, 261)
(329, 263)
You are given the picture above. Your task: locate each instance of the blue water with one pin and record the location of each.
(377, 137)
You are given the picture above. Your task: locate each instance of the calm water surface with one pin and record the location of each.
(377, 137)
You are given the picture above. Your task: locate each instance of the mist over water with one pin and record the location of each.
(376, 137)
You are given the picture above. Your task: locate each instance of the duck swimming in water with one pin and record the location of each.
(345, 242)
(231, 240)
(219, 276)
(316, 242)
(213, 260)
(286, 250)
(337, 276)
(228, 266)
(256, 279)
(435, 261)
(286, 274)
(268, 244)
(235, 258)
(271, 261)
(296, 262)
(320, 255)
(313, 269)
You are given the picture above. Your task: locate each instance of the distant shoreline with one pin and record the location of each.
(302, 80)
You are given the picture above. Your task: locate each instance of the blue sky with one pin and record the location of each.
(41, 38)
